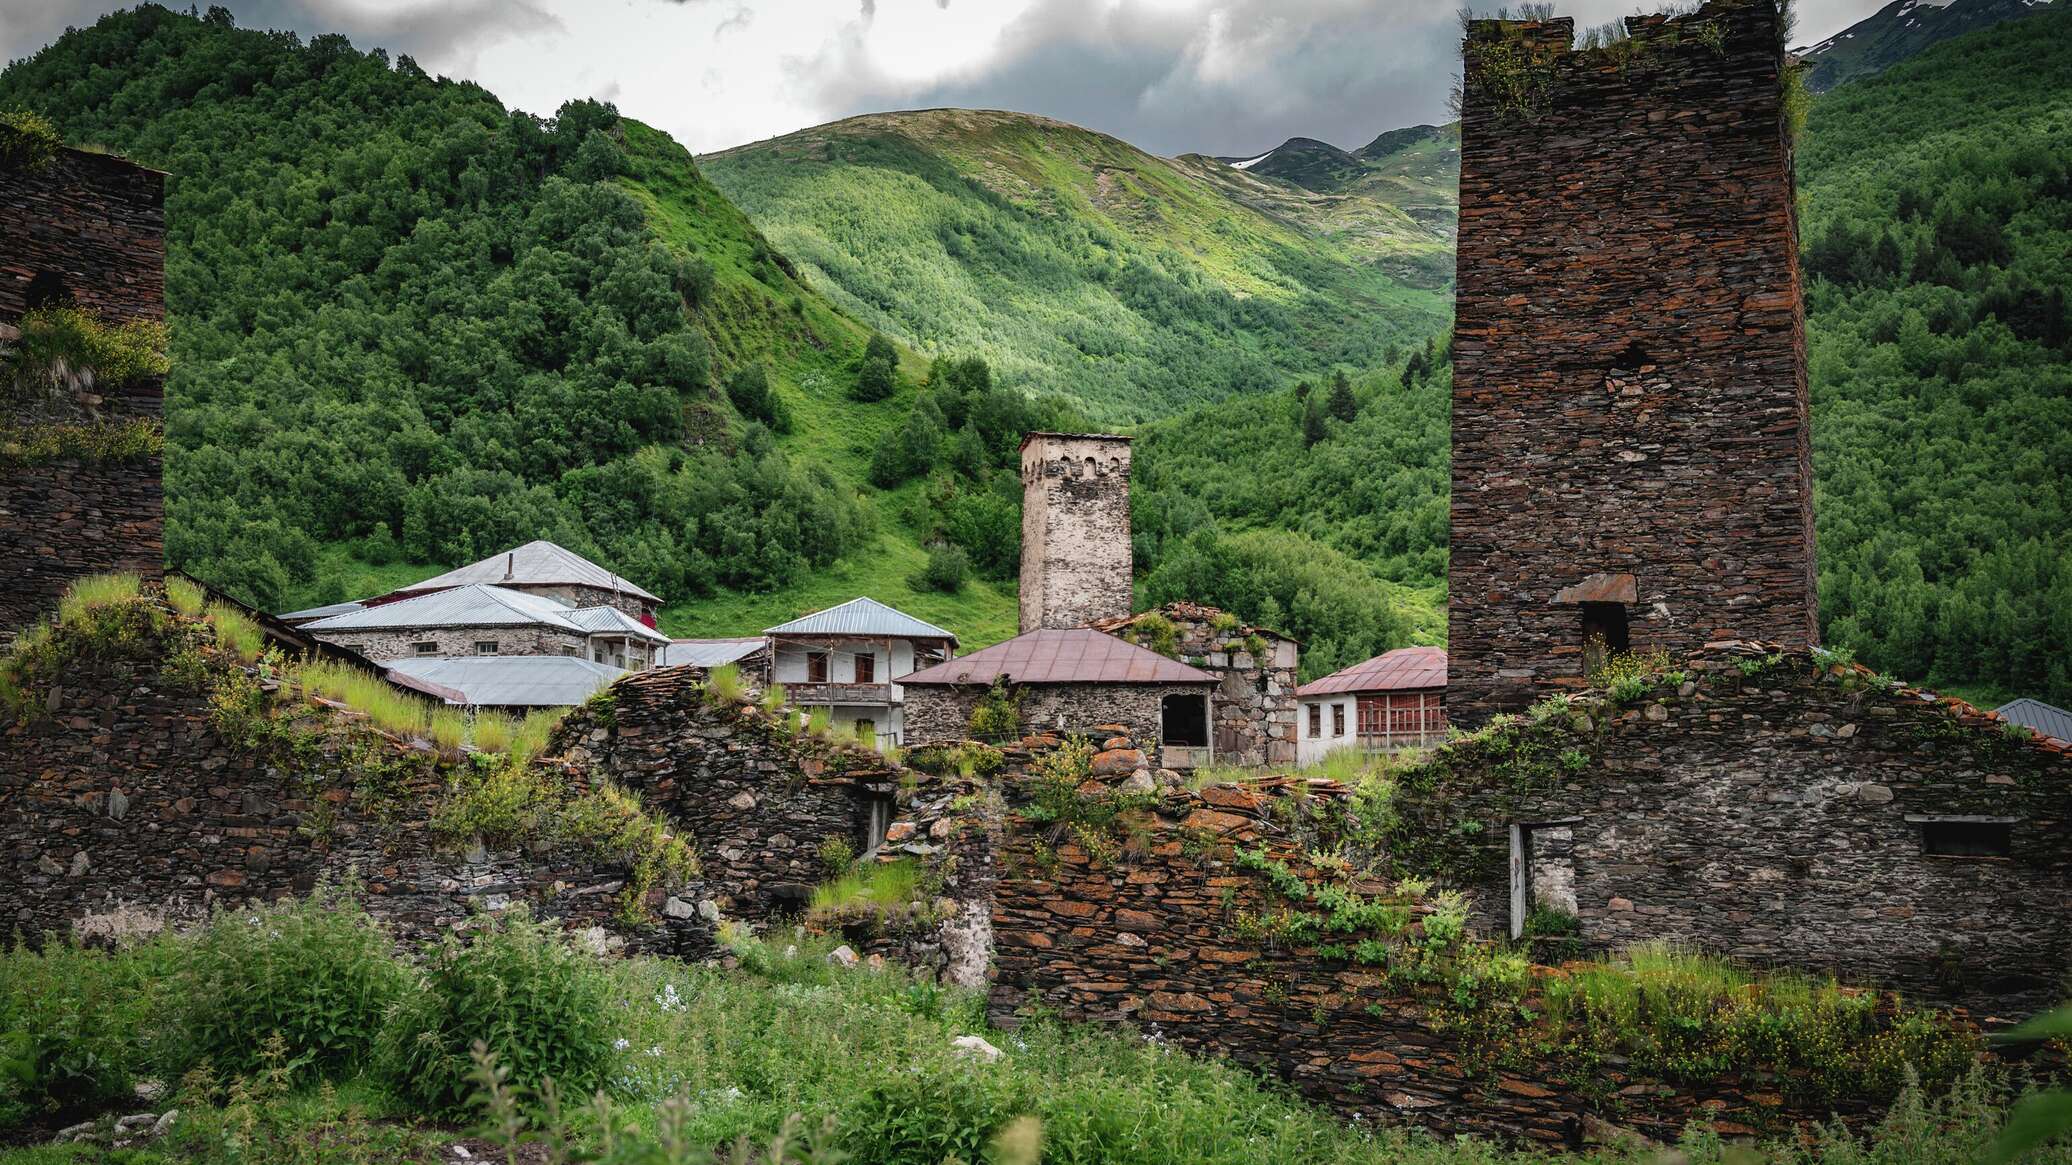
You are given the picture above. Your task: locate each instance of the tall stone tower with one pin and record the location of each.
(1075, 529)
(1630, 464)
(86, 231)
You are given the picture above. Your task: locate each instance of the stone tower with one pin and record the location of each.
(86, 231)
(1075, 529)
(1630, 464)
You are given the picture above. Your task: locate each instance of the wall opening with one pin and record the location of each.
(1184, 721)
(877, 822)
(1604, 634)
(1967, 838)
(1543, 871)
(816, 667)
(866, 668)
(46, 289)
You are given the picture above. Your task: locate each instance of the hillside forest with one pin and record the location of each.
(411, 327)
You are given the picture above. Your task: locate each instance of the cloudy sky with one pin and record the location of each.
(1172, 76)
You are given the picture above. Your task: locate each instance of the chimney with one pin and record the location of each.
(510, 565)
(1075, 529)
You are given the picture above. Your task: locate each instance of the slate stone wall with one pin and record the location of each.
(1075, 529)
(527, 640)
(96, 225)
(1629, 352)
(940, 712)
(1150, 940)
(63, 519)
(1776, 816)
(121, 801)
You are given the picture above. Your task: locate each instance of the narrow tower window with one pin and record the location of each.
(1604, 634)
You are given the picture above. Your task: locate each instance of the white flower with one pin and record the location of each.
(621, 1044)
(669, 1000)
(655, 1050)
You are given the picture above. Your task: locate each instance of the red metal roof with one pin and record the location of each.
(1075, 656)
(1404, 669)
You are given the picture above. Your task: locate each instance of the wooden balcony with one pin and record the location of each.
(821, 695)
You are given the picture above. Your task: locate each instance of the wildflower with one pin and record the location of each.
(621, 1044)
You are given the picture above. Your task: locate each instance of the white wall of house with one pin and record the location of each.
(1325, 724)
(888, 659)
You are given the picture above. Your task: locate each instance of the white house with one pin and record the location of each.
(843, 659)
(1395, 700)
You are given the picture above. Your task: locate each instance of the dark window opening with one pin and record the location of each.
(816, 667)
(1630, 357)
(1316, 720)
(46, 289)
(866, 669)
(1185, 721)
(1967, 839)
(1604, 634)
(1338, 719)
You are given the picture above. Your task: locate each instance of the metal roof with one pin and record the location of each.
(861, 616)
(533, 564)
(612, 621)
(709, 652)
(1078, 655)
(1404, 669)
(468, 606)
(527, 681)
(323, 612)
(2039, 717)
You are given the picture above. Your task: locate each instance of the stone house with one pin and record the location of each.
(510, 683)
(1254, 709)
(1395, 700)
(844, 660)
(1072, 680)
(542, 568)
(480, 620)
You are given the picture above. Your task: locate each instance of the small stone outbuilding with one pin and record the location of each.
(1072, 680)
(1255, 666)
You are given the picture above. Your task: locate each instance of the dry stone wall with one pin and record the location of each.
(1254, 705)
(1629, 408)
(1766, 804)
(63, 519)
(939, 712)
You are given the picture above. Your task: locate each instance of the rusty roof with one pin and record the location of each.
(1078, 655)
(1401, 670)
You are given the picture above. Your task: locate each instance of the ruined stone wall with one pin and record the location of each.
(1075, 529)
(1774, 816)
(63, 519)
(939, 712)
(757, 801)
(524, 640)
(1629, 406)
(89, 229)
(1254, 705)
(1151, 939)
(121, 803)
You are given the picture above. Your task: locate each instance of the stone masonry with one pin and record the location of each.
(1075, 529)
(509, 640)
(1630, 406)
(87, 230)
(940, 712)
(1254, 705)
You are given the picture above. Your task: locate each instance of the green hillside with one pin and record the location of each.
(1937, 229)
(411, 327)
(1080, 266)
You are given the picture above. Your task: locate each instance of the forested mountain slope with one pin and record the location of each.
(1898, 31)
(411, 327)
(1937, 234)
(1079, 265)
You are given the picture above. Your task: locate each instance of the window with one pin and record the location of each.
(566, 650)
(485, 647)
(816, 667)
(1338, 719)
(1604, 634)
(1966, 837)
(359, 647)
(866, 668)
(425, 648)
(46, 289)
(1316, 720)
(1184, 721)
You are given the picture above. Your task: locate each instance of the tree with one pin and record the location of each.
(877, 373)
(1342, 405)
(1312, 422)
(945, 570)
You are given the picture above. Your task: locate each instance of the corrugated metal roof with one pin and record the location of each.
(529, 681)
(861, 616)
(1404, 669)
(709, 652)
(323, 612)
(611, 620)
(1078, 655)
(2039, 717)
(468, 606)
(533, 564)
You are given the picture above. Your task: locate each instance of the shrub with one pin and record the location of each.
(934, 1112)
(519, 989)
(946, 569)
(836, 853)
(75, 1025)
(997, 715)
(28, 140)
(1156, 632)
(318, 973)
(724, 686)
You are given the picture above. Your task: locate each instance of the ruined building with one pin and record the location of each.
(1630, 465)
(86, 231)
(1075, 529)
